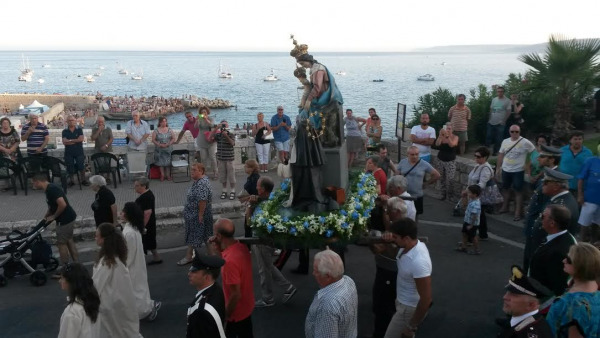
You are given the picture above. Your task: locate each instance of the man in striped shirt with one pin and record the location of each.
(333, 312)
(37, 136)
(459, 115)
(225, 142)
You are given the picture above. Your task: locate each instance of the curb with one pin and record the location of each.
(85, 226)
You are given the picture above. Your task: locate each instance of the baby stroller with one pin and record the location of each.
(20, 262)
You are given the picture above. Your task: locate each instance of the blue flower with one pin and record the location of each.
(358, 206)
(258, 211)
(272, 196)
(321, 219)
(361, 192)
(366, 214)
(293, 230)
(360, 185)
(355, 215)
(344, 225)
(263, 221)
(285, 219)
(356, 199)
(328, 233)
(269, 228)
(306, 225)
(284, 185)
(343, 212)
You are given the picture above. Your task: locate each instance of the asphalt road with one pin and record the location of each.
(467, 290)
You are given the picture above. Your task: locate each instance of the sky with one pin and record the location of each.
(265, 25)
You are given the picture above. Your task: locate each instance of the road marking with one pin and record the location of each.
(491, 235)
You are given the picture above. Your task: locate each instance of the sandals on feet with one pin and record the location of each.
(231, 195)
(223, 195)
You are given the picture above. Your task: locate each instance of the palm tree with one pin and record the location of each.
(570, 70)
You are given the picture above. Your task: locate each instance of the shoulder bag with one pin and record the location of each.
(490, 195)
(411, 169)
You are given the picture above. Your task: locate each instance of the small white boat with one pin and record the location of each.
(26, 72)
(46, 65)
(426, 77)
(271, 77)
(90, 78)
(101, 67)
(41, 81)
(123, 71)
(97, 74)
(138, 76)
(223, 74)
(443, 63)
(341, 72)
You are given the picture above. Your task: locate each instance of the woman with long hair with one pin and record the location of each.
(577, 312)
(83, 302)
(118, 316)
(261, 130)
(136, 262)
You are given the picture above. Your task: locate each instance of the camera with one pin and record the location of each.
(201, 116)
(223, 126)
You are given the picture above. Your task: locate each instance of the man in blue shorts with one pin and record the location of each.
(281, 125)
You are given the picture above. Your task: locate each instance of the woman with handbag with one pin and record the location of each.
(483, 175)
(262, 140)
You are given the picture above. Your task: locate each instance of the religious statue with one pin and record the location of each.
(318, 124)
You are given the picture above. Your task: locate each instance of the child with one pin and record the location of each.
(471, 221)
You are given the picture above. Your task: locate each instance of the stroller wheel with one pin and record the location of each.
(3, 281)
(52, 265)
(38, 278)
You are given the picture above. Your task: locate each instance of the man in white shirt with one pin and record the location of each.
(512, 158)
(422, 137)
(413, 285)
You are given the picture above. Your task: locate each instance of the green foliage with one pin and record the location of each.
(436, 105)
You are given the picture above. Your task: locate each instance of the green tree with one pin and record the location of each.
(569, 71)
(436, 104)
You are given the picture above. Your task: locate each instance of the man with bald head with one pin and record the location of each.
(102, 136)
(512, 157)
(238, 285)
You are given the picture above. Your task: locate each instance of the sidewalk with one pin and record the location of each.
(21, 212)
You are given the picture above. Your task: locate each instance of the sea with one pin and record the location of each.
(175, 74)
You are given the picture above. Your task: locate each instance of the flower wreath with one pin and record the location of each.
(342, 224)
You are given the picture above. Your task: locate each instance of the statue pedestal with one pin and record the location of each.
(335, 171)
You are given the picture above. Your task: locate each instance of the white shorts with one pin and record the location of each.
(283, 146)
(590, 213)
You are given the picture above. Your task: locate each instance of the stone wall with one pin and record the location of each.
(78, 102)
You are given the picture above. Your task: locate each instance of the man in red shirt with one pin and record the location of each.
(190, 124)
(238, 285)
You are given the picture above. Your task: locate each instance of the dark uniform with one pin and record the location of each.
(207, 305)
(538, 235)
(547, 266)
(534, 326)
(537, 204)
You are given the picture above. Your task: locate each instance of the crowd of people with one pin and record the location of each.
(553, 293)
(150, 107)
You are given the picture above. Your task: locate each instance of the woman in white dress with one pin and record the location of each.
(83, 302)
(118, 316)
(136, 262)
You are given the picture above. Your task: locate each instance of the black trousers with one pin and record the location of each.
(384, 300)
(241, 329)
(483, 228)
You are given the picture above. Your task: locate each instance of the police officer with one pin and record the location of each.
(206, 314)
(522, 301)
(549, 158)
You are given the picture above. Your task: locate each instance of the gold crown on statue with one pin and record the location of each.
(298, 50)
